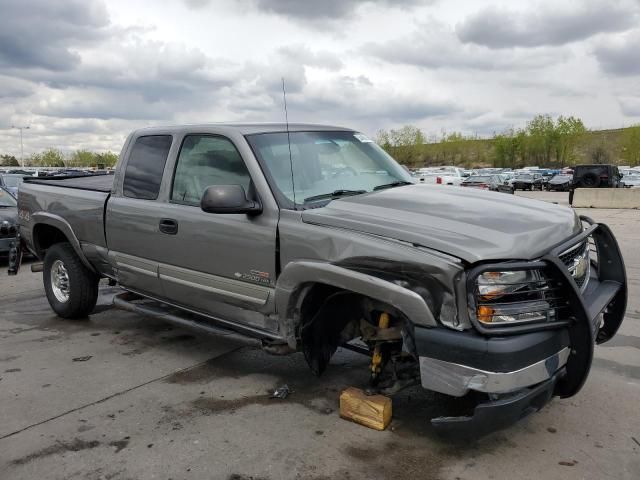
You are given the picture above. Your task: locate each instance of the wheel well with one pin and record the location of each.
(319, 296)
(330, 316)
(44, 236)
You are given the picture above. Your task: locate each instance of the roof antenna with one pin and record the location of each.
(286, 119)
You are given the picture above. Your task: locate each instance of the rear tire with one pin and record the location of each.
(71, 288)
(590, 180)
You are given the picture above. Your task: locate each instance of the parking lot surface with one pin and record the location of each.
(119, 396)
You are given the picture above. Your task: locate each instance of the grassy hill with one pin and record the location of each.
(618, 146)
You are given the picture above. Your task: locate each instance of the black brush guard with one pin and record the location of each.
(605, 295)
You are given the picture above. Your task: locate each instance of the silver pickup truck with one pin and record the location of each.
(311, 238)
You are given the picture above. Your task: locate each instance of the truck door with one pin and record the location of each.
(219, 264)
(134, 215)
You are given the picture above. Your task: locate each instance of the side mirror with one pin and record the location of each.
(228, 199)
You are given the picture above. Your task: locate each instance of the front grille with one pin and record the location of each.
(576, 259)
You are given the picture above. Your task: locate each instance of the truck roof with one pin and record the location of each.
(243, 128)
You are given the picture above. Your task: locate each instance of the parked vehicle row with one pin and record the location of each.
(534, 178)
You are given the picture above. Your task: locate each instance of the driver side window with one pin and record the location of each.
(206, 160)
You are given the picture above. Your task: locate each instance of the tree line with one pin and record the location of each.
(544, 141)
(55, 158)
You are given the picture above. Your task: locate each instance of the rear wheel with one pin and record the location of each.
(71, 288)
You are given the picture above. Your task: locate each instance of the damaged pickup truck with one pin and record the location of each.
(310, 238)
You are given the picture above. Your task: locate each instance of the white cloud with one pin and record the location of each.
(544, 24)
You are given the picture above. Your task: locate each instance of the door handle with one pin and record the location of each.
(168, 226)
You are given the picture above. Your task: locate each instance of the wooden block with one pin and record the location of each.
(373, 411)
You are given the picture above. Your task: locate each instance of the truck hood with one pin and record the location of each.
(470, 224)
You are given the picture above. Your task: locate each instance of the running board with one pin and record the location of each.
(132, 302)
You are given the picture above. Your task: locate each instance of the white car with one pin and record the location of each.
(631, 180)
(629, 171)
(441, 175)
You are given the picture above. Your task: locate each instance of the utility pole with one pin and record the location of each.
(21, 144)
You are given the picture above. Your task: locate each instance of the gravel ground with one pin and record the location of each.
(124, 397)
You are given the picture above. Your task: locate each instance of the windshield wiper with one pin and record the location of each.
(334, 194)
(398, 183)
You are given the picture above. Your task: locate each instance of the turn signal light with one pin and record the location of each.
(485, 314)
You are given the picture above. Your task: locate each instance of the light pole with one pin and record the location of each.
(21, 144)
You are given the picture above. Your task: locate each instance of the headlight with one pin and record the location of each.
(496, 284)
(515, 297)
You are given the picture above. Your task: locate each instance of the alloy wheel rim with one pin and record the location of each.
(60, 281)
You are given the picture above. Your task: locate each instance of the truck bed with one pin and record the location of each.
(96, 183)
(80, 201)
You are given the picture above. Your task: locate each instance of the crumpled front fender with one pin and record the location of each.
(297, 276)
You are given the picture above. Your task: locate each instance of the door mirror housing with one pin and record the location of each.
(228, 199)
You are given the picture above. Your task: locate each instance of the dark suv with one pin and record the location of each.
(595, 176)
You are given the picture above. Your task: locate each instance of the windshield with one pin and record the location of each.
(524, 177)
(6, 200)
(12, 180)
(323, 163)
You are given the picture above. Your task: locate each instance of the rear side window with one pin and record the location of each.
(207, 160)
(147, 159)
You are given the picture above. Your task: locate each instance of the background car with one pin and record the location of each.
(528, 181)
(560, 183)
(494, 183)
(11, 181)
(8, 220)
(441, 175)
(631, 180)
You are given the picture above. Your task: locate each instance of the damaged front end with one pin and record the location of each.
(515, 333)
(535, 326)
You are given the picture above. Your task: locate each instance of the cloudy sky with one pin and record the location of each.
(82, 73)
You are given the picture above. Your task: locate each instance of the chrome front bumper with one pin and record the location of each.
(456, 380)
